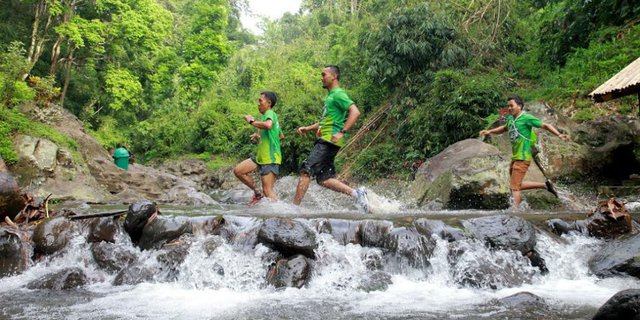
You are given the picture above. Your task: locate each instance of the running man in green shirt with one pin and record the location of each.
(268, 156)
(520, 126)
(330, 131)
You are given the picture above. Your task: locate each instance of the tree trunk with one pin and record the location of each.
(68, 64)
(38, 37)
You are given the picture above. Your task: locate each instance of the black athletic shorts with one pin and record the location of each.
(319, 164)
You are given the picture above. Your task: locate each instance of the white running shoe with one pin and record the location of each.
(362, 201)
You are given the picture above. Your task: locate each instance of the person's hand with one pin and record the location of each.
(336, 137)
(302, 130)
(484, 132)
(564, 137)
(255, 137)
(248, 118)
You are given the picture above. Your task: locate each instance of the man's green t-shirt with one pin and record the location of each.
(336, 105)
(269, 146)
(522, 135)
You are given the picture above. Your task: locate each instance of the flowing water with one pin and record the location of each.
(202, 292)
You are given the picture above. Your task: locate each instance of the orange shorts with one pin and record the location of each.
(517, 171)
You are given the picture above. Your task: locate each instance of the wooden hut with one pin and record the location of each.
(624, 83)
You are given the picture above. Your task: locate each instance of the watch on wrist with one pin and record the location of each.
(252, 121)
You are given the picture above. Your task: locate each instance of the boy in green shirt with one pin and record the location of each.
(268, 156)
(520, 126)
(330, 131)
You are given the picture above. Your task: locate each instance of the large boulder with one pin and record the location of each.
(468, 174)
(503, 232)
(163, 230)
(614, 144)
(623, 305)
(112, 257)
(52, 235)
(406, 246)
(288, 236)
(618, 257)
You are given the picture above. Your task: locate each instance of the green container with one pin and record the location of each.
(121, 158)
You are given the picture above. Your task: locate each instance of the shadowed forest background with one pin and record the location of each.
(172, 78)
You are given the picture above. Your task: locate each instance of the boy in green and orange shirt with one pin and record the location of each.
(520, 127)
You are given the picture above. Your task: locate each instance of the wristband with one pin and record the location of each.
(343, 131)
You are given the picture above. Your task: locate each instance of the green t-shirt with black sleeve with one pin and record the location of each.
(522, 135)
(336, 105)
(269, 146)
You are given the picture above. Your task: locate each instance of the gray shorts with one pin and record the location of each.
(265, 169)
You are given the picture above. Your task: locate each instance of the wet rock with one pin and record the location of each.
(375, 281)
(407, 246)
(137, 217)
(610, 219)
(135, 273)
(62, 280)
(207, 225)
(211, 244)
(173, 255)
(112, 257)
(52, 235)
(241, 231)
(373, 259)
(163, 230)
(288, 236)
(493, 269)
(430, 227)
(613, 143)
(104, 229)
(503, 231)
(343, 231)
(524, 300)
(289, 272)
(537, 261)
(11, 200)
(560, 227)
(469, 174)
(623, 305)
(374, 232)
(618, 257)
(15, 253)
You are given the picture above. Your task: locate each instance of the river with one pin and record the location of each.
(201, 291)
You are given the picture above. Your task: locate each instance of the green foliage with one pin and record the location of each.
(21, 93)
(413, 42)
(12, 66)
(569, 25)
(455, 110)
(108, 134)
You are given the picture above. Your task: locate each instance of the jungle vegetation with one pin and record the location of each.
(172, 78)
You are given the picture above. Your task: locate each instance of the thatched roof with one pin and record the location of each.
(624, 83)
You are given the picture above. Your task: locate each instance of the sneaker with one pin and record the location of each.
(551, 188)
(255, 199)
(361, 199)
